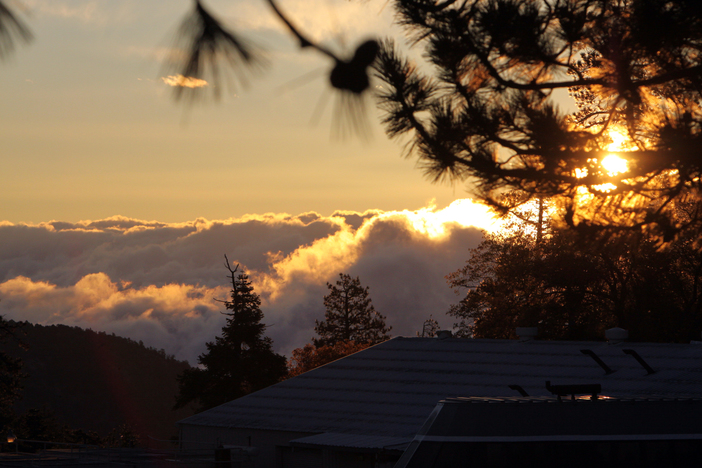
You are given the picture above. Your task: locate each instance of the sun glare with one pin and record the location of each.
(614, 164)
(464, 212)
(620, 140)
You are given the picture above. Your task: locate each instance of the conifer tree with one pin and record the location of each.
(350, 315)
(238, 362)
(485, 110)
(10, 375)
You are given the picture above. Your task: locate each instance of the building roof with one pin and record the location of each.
(391, 388)
(358, 442)
(546, 431)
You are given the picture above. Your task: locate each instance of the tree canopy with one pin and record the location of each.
(310, 357)
(484, 110)
(10, 374)
(350, 315)
(574, 291)
(238, 362)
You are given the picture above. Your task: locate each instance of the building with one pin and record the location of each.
(366, 409)
(546, 431)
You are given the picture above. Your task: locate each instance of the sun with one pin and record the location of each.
(620, 140)
(614, 164)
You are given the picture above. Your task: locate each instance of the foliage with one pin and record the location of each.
(123, 436)
(37, 426)
(10, 373)
(207, 49)
(574, 291)
(350, 324)
(310, 357)
(350, 315)
(240, 361)
(429, 328)
(95, 381)
(484, 110)
(12, 29)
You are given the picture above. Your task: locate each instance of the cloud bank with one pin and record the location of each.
(157, 282)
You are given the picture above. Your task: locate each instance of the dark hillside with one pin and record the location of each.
(95, 381)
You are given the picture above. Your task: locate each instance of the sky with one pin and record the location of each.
(89, 129)
(117, 203)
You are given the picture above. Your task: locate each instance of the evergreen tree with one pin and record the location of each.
(10, 374)
(485, 112)
(350, 315)
(240, 361)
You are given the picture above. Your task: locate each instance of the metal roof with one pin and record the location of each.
(352, 441)
(391, 388)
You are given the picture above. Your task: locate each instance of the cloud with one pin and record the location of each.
(174, 316)
(184, 81)
(157, 282)
(89, 12)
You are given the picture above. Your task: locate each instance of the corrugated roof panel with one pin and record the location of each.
(389, 389)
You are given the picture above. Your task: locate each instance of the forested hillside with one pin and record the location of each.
(95, 381)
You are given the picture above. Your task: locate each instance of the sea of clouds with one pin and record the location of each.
(158, 282)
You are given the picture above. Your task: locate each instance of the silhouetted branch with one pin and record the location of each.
(205, 49)
(12, 29)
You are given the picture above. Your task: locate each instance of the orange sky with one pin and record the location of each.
(88, 128)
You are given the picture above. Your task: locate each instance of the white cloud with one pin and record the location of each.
(183, 81)
(157, 282)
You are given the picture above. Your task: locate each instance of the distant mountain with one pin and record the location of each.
(95, 381)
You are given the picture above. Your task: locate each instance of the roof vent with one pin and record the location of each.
(616, 335)
(443, 334)
(527, 333)
(640, 360)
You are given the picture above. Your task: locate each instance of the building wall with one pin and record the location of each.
(207, 437)
(334, 457)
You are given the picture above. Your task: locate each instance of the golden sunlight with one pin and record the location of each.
(184, 81)
(620, 140)
(614, 164)
(464, 212)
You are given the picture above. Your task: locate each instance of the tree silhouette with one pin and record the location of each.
(350, 315)
(240, 361)
(12, 29)
(429, 328)
(574, 291)
(310, 357)
(484, 112)
(10, 374)
(207, 49)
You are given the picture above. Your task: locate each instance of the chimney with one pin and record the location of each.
(527, 333)
(443, 334)
(616, 335)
